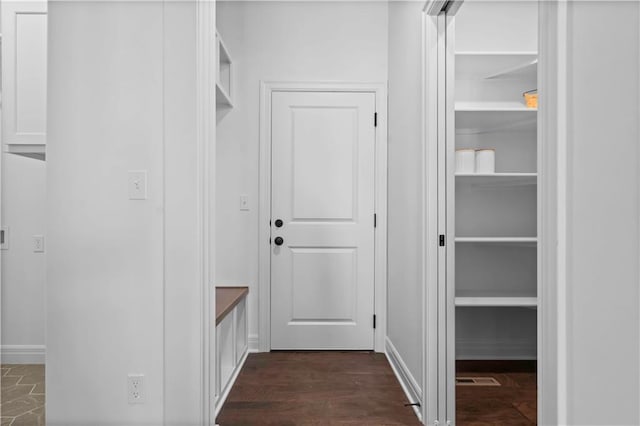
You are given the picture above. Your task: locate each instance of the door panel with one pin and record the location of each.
(323, 163)
(322, 276)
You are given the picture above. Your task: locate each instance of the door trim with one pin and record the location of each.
(267, 88)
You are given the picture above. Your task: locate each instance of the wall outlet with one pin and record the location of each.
(38, 244)
(137, 184)
(4, 238)
(244, 202)
(135, 388)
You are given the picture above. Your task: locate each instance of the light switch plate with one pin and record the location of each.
(137, 184)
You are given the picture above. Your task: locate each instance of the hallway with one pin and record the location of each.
(356, 388)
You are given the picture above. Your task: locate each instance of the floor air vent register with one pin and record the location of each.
(476, 381)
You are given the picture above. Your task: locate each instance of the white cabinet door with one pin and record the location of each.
(322, 275)
(24, 72)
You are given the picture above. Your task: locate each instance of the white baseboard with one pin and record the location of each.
(480, 349)
(22, 354)
(254, 343)
(409, 384)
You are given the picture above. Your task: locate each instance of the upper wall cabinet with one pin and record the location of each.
(24, 77)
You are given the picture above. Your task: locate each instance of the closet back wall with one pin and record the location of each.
(280, 41)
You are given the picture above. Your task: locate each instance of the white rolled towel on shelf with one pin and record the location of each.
(465, 160)
(486, 161)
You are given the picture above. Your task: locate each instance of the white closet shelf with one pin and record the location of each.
(37, 151)
(497, 53)
(495, 106)
(492, 65)
(498, 179)
(496, 301)
(497, 240)
(222, 97)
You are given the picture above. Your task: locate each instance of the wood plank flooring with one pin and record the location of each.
(513, 403)
(316, 388)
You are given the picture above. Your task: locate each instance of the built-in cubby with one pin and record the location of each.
(225, 78)
(231, 339)
(496, 333)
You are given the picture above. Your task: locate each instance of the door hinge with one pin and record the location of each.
(375, 220)
(374, 320)
(375, 119)
(441, 240)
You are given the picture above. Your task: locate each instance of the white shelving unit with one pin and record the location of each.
(225, 75)
(496, 216)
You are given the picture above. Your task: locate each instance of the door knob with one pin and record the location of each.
(278, 241)
(278, 223)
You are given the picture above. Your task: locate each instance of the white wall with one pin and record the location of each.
(603, 212)
(124, 277)
(404, 296)
(23, 271)
(280, 41)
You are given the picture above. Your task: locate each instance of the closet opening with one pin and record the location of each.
(495, 217)
(488, 200)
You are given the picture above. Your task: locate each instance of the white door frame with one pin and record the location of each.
(264, 229)
(552, 119)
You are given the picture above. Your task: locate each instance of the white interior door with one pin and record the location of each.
(322, 252)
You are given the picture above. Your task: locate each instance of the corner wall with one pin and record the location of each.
(405, 280)
(602, 207)
(125, 290)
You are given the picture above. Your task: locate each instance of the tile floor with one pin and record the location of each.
(22, 399)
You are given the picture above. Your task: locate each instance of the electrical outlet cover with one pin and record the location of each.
(135, 388)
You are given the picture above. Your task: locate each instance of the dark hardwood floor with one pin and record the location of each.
(511, 404)
(359, 388)
(316, 388)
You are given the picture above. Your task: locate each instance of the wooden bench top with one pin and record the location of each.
(226, 299)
